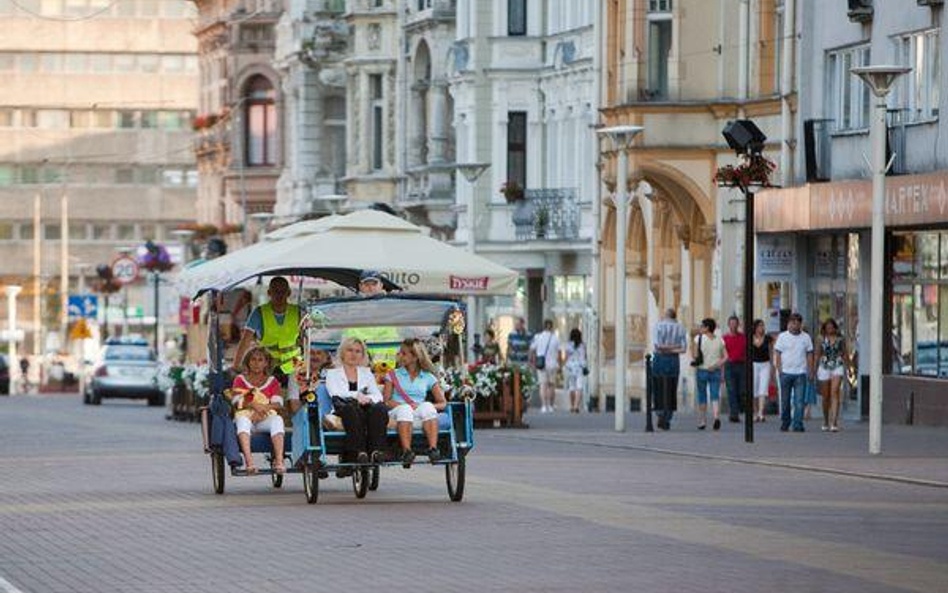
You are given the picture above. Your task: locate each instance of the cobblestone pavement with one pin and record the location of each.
(114, 498)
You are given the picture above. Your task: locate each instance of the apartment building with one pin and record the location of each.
(97, 101)
(821, 219)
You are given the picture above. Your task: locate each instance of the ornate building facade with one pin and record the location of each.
(681, 69)
(239, 141)
(522, 80)
(312, 45)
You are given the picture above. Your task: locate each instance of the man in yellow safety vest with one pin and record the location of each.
(275, 326)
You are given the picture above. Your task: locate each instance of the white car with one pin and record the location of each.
(124, 369)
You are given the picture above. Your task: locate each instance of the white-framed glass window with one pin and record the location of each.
(918, 93)
(847, 96)
(659, 47)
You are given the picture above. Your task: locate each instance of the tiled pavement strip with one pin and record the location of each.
(117, 499)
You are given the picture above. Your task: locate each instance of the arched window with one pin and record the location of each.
(261, 122)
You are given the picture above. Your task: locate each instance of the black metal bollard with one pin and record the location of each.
(648, 393)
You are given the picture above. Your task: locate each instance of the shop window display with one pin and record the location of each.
(920, 304)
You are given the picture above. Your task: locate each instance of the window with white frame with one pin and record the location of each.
(917, 94)
(659, 47)
(659, 5)
(847, 96)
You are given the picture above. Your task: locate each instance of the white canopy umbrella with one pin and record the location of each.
(339, 248)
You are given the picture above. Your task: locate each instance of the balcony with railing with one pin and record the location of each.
(548, 214)
(425, 11)
(429, 185)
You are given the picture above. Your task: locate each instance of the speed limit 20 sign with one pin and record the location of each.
(124, 270)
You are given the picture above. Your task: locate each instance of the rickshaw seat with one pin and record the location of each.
(260, 441)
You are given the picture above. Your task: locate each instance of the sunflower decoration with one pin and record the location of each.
(456, 322)
(382, 368)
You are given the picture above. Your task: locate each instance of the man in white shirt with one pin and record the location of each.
(793, 358)
(545, 358)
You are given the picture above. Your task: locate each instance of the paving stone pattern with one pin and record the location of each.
(114, 499)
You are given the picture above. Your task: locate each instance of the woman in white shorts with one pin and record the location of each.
(406, 392)
(833, 360)
(761, 355)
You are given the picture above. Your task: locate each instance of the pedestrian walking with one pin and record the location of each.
(576, 369)
(793, 358)
(670, 341)
(518, 344)
(735, 341)
(545, 356)
(709, 358)
(761, 350)
(833, 360)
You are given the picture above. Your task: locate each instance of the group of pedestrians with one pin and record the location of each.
(722, 358)
(544, 354)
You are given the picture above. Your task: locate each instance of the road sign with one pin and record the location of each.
(124, 270)
(83, 306)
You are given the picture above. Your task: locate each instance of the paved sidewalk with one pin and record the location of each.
(912, 453)
(114, 499)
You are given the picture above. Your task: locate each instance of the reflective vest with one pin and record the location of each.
(281, 340)
(382, 343)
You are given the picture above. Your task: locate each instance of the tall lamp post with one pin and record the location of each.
(621, 138)
(261, 223)
(880, 80)
(472, 172)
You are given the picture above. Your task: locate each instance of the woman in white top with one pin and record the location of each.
(356, 399)
(575, 369)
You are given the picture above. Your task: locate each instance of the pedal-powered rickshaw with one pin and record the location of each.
(338, 249)
(315, 439)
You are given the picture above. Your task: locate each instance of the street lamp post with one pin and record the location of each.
(472, 172)
(880, 80)
(11, 292)
(261, 222)
(621, 138)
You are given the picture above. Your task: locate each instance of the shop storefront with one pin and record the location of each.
(819, 233)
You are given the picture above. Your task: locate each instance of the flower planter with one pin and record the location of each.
(504, 408)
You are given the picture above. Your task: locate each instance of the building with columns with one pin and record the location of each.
(312, 42)
(681, 69)
(371, 101)
(427, 140)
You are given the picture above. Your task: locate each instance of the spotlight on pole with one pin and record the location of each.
(744, 137)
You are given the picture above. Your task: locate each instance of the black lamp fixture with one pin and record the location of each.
(744, 137)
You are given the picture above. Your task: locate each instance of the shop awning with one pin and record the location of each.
(911, 200)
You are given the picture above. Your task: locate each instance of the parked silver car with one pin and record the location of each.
(124, 369)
